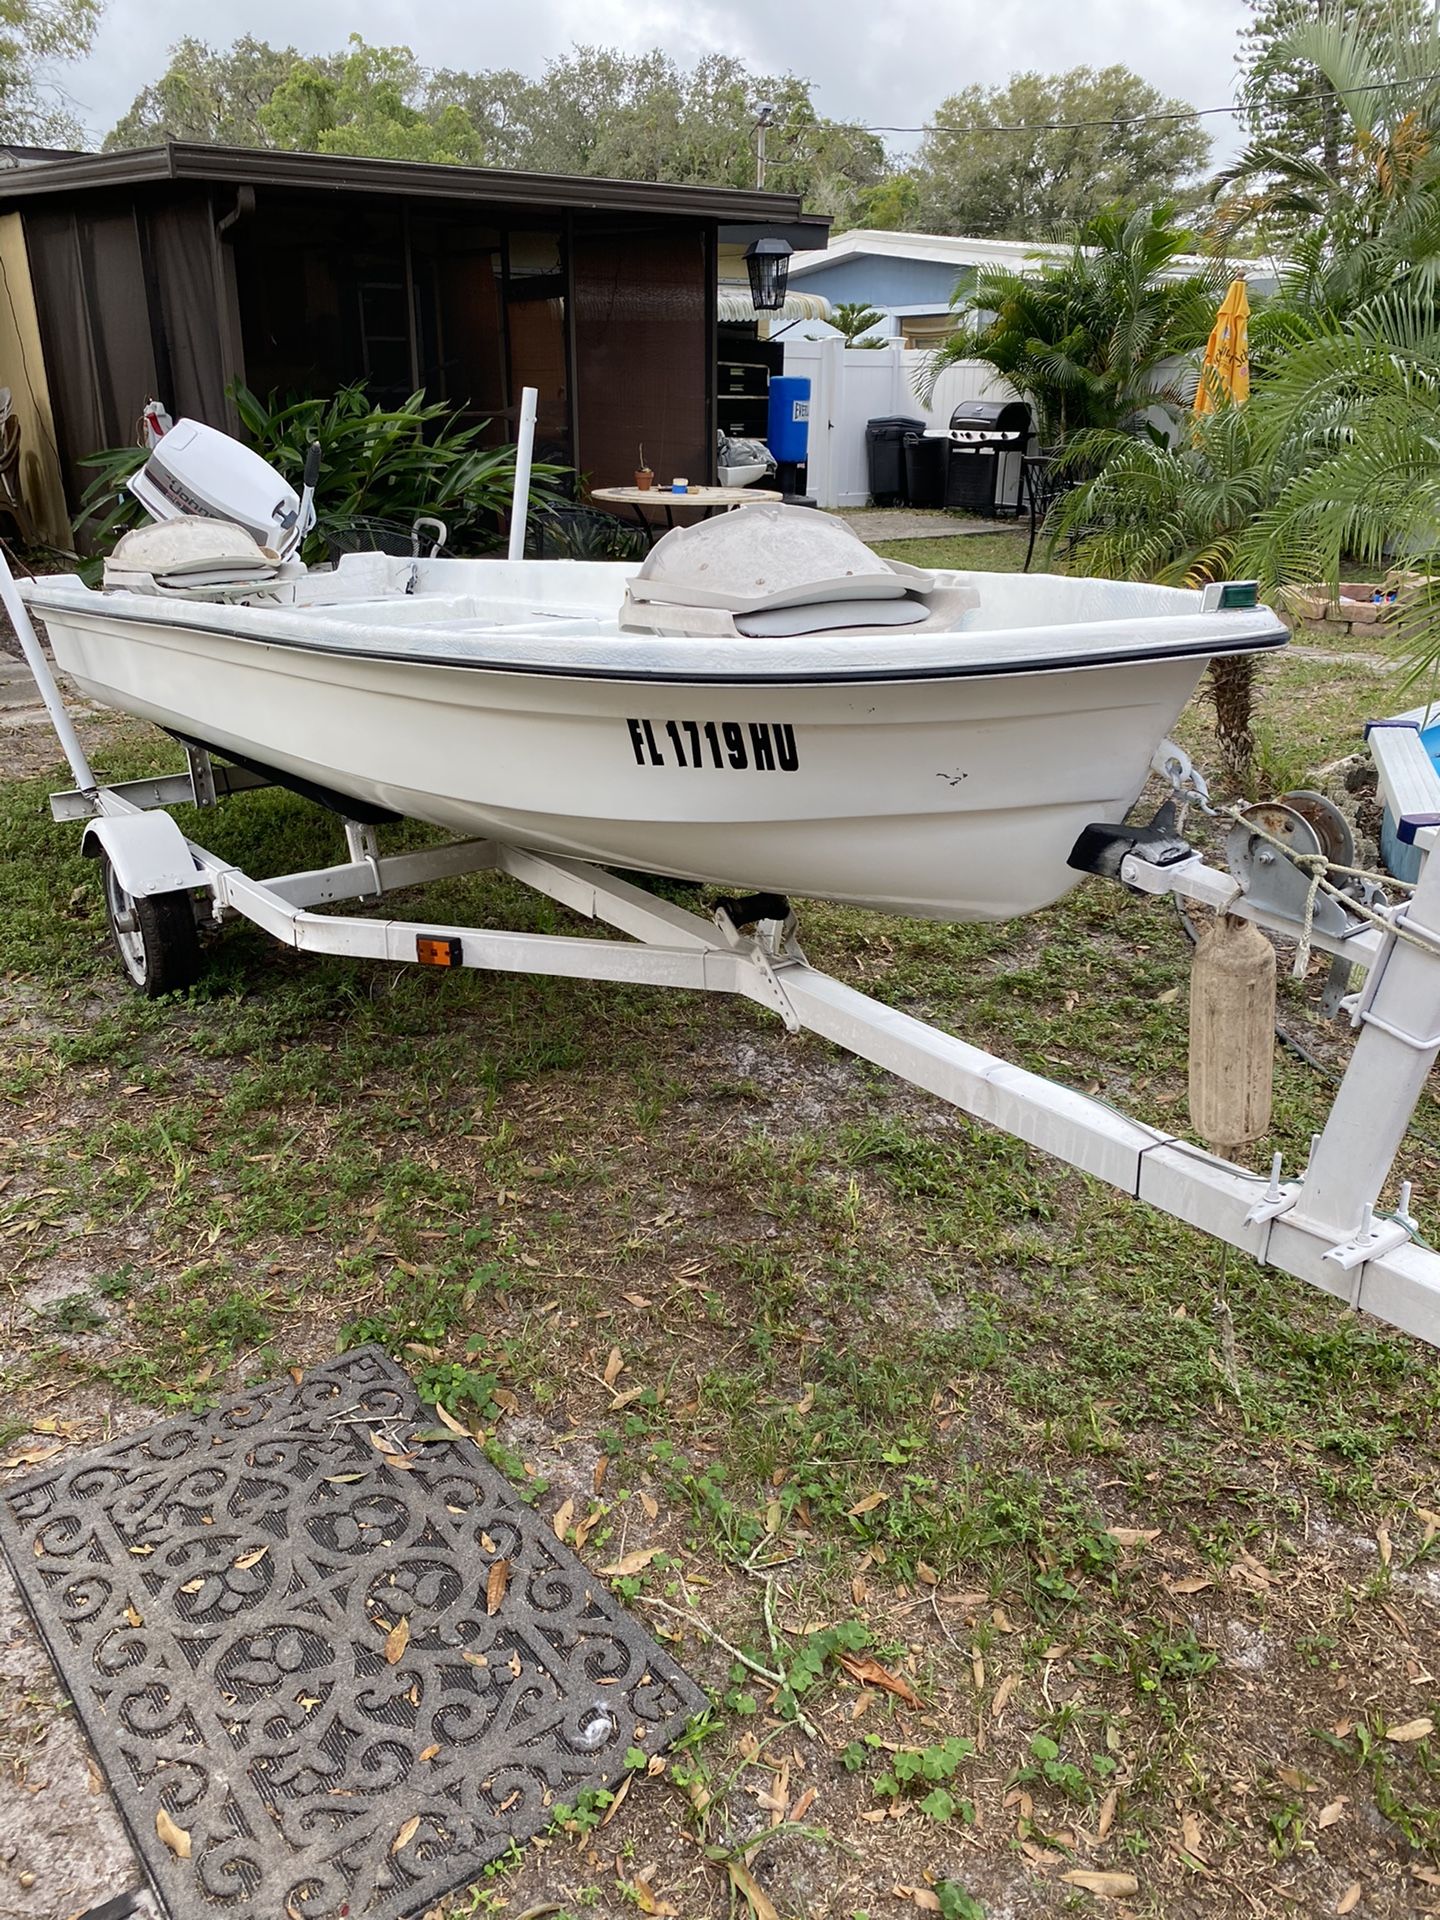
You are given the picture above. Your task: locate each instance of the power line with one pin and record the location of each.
(1126, 120)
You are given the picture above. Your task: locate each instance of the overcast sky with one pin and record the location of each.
(882, 62)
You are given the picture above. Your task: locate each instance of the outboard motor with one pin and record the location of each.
(196, 471)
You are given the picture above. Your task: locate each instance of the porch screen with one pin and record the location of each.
(642, 348)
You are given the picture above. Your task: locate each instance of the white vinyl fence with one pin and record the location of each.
(850, 385)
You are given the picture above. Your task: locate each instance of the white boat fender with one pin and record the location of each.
(148, 851)
(1232, 1034)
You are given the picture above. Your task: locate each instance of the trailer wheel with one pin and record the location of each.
(156, 938)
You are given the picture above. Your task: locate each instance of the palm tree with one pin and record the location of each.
(1096, 339)
(1332, 465)
(1179, 515)
(851, 318)
(1361, 216)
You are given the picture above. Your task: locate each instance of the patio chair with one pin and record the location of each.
(1042, 481)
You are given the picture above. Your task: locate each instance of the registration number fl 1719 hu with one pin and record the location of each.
(761, 746)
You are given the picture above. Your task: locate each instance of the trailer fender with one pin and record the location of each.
(147, 850)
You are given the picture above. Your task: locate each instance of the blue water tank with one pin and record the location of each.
(789, 430)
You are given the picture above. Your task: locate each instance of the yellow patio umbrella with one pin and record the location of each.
(1226, 366)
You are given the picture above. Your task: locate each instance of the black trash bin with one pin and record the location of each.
(925, 470)
(885, 453)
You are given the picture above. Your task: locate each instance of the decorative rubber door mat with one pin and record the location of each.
(322, 1683)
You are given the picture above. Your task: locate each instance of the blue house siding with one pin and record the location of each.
(882, 282)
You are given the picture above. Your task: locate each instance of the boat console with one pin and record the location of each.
(777, 572)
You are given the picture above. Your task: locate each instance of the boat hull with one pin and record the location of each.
(950, 798)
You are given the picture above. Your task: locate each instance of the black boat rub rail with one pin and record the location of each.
(1271, 639)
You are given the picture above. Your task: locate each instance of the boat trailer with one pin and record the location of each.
(1324, 1225)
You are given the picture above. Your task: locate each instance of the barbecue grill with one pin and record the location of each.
(988, 440)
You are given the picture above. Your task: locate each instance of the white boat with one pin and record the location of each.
(764, 704)
(751, 709)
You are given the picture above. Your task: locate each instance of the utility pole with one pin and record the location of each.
(763, 122)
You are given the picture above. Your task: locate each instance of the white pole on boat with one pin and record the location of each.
(524, 454)
(45, 680)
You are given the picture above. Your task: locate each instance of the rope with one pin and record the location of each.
(1319, 867)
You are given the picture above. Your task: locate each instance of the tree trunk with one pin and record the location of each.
(1232, 693)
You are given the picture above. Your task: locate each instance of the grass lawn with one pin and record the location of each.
(1133, 1546)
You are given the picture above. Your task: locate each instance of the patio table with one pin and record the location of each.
(702, 501)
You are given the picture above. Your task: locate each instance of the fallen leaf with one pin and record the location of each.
(564, 1514)
(624, 1399)
(1382, 1541)
(920, 1897)
(251, 1559)
(1002, 1694)
(745, 1883)
(496, 1583)
(193, 1586)
(1001, 1621)
(406, 1834)
(629, 1563)
(1349, 1899)
(175, 1838)
(1432, 1523)
(134, 1618)
(1293, 1778)
(396, 1641)
(447, 1419)
(597, 1477)
(1107, 1813)
(34, 1458)
(926, 1574)
(866, 1669)
(636, 1299)
(868, 1504)
(1190, 1838)
(619, 1800)
(1327, 1816)
(651, 1506)
(803, 1805)
(1107, 1886)
(1133, 1536)
(806, 1401)
(1410, 1730)
(1164, 999)
(614, 1367)
(1193, 1583)
(428, 1753)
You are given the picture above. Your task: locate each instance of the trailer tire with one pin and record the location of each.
(155, 937)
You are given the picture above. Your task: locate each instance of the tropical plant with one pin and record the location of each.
(851, 318)
(380, 469)
(1097, 338)
(1358, 196)
(1146, 510)
(1333, 465)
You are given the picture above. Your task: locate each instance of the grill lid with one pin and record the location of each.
(991, 420)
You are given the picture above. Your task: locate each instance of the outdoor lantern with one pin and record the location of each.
(768, 264)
